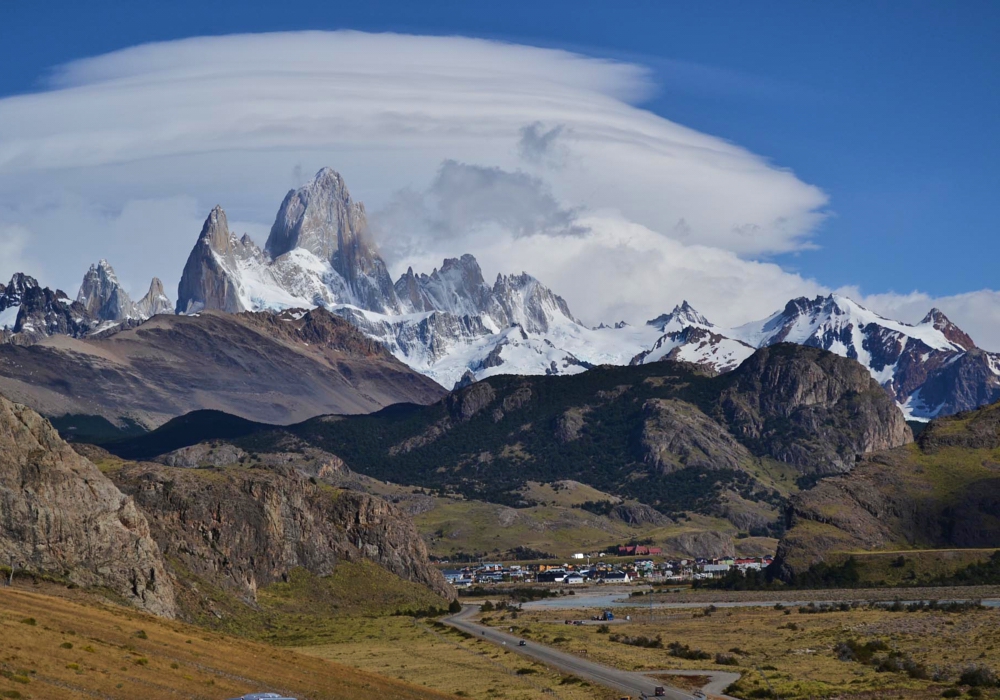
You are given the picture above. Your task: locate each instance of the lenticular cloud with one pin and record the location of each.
(386, 110)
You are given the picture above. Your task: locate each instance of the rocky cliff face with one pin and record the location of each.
(61, 516)
(675, 434)
(155, 301)
(942, 492)
(810, 408)
(103, 296)
(242, 528)
(322, 219)
(210, 279)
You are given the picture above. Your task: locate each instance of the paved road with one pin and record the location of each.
(627, 682)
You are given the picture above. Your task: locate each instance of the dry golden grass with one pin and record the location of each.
(424, 653)
(51, 647)
(792, 652)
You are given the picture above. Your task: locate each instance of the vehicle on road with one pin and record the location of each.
(522, 643)
(263, 696)
(659, 692)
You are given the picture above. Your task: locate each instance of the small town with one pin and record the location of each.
(585, 570)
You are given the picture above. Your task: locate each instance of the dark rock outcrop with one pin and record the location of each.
(59, 515)
(810, 408)
(676, 434)
(242, 528)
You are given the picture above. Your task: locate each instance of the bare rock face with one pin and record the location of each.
(321, 218)
(155, 302)
(569, 426)
(676, 434)
(785, 392)
(465, 404)
(102, 295)
(705, 543)
(210, 279)
(242, 528)
(638, 514)
(60, 515)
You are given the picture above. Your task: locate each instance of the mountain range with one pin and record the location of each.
(670, 436)
(454, 327)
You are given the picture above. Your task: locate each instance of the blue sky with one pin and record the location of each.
(890, 109)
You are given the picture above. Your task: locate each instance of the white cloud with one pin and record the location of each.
(122, 156)
(13, 241)
(230, 118)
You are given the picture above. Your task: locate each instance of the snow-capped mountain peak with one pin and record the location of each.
(955, 335)
(683, 316)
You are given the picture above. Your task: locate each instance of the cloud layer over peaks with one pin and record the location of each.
(532, 159)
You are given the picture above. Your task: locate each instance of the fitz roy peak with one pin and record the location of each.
(319, 253)
(455, 327)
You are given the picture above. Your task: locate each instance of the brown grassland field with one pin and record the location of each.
(64, 643)
(789, 651)
(51, 647)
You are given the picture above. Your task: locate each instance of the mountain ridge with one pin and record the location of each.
(454, 327)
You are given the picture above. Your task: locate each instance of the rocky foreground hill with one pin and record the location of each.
(166, 539)
(943, 491)
(667, 435)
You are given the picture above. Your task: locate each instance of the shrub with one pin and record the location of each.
(454, 606)
(603, 629)
(683, 651)
(66, 645)
(726, 660)
(978, 677)
(29, 621)
(853, 650)
(951, 693)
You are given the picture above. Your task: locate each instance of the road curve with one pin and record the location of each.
(627, 682)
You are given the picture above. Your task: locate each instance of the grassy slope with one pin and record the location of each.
(885, 567)
(454, 526)
(73, 650)
(943, 491)
(307, 609)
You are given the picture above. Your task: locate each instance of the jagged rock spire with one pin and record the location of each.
(102, 295)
